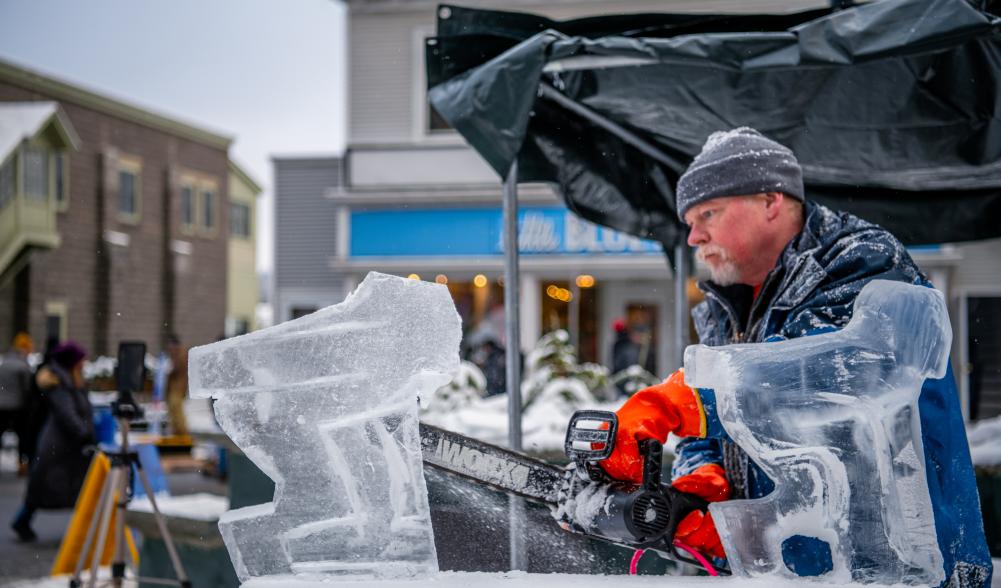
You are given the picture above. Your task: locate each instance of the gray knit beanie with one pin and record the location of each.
(738, 163)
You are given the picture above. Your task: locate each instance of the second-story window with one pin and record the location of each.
(60, 179)
(239, 220)
(128, 204)
(187, 207)
(208, 210)
(128, 207)
(36, 174)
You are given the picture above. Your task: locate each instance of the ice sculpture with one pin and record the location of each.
(326, 405)
(833, 420)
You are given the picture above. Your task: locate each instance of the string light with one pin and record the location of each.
(585, 281)
(480, 281)
(414, 277)
(441, 279)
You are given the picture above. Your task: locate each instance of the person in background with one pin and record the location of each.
(177, 385)
(36, 410)
(66, 443)
(15, 388)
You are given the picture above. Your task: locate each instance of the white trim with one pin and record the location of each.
(342, 248)
(116, 238)
(650, 266)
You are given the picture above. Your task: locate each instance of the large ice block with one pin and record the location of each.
(833, 420)
(326, 405)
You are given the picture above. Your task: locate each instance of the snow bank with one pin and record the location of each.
(985, 442)
(522, 579)
(199, 507)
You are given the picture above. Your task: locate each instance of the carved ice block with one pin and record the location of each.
(326, 405)
(833, 420)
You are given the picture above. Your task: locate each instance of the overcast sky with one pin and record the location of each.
(268, 73)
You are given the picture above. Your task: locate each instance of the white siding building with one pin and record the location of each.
(409, 197)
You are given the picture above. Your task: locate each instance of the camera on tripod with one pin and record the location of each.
(130, 375)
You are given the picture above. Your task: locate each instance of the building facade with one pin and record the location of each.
(137, 209)
(241, 267)
(409, 197)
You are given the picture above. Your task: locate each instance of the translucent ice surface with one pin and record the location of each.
(833, 420)
(326, 405)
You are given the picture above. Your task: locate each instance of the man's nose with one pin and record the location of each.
(696, 237)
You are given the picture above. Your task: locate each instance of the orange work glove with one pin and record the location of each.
(697, 529)
(652, 413)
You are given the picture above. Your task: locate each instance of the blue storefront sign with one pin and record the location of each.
(473, 232)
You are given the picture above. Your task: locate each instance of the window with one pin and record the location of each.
(208, 210)
(437, 122)
(36, 174)
(239, 220)
(127, 198)
(60, 179)
(129, 204)
(187, 207)
(7, 187)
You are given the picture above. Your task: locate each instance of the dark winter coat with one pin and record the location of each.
(812, 290)
(64, 446)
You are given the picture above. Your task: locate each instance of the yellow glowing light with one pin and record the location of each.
(552, 291)
(441, 279)
(585, 281)
(414, 277)
(480, 281)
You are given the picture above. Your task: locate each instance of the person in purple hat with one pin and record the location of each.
(66, 443)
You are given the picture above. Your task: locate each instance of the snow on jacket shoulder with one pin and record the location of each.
(812, 290)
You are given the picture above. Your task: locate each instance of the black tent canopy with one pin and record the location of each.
(892, 107)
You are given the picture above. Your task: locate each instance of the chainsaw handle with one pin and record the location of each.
(682, 503)
(653, 459)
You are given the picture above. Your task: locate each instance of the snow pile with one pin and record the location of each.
(199, 507)
(553, 387)
(524, 580)
(985, 442)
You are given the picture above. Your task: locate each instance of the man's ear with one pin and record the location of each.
(773, 204)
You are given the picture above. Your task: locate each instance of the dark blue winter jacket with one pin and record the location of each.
(812, 290)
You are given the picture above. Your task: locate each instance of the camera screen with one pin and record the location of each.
(130, 372)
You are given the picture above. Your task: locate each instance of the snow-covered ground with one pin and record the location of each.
(985, 442)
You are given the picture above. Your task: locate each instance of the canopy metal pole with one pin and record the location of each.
(680, 303)
(511, 310)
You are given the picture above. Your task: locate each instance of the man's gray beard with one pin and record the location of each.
(726, 274)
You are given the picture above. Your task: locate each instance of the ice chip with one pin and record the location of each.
(833, 420)
(326, 406)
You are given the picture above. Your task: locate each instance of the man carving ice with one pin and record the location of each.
(783, 267)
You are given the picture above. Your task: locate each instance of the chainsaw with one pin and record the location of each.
(643, 516)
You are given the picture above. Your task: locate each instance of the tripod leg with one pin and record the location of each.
(161, 523)
(118, 561)
(105, 495)
(95, 561)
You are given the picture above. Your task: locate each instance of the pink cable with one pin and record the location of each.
(698, 556)
(635, 561)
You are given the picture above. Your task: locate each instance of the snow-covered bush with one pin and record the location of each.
(633, 379)
(468, 386)
(552, 371)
